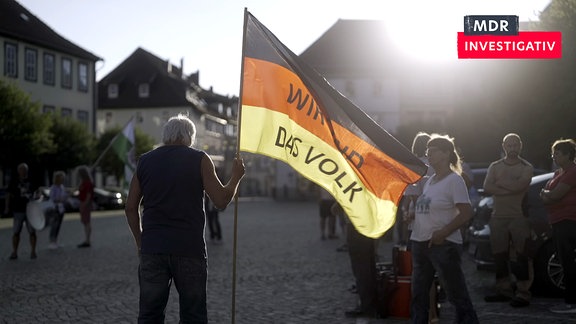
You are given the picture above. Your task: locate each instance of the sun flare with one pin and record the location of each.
(424, 35)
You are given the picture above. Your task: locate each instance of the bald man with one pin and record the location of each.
(507, 181)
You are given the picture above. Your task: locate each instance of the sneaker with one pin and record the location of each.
(498, 298)
(564, 309)
(33, 255)
(519, 302)
(84, 245)
(52, 246)
(13, 256)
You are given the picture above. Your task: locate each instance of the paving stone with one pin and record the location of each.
(284, 274)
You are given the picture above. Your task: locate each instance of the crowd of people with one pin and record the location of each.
(435, 210)
(178, 180)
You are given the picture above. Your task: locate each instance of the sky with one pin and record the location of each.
(207, 34)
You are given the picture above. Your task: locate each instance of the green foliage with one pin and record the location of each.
(24, 131)
(74, 144)
(554, 89)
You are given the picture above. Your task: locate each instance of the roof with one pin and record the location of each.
(19, 23)
(167, 87)
(352, 45)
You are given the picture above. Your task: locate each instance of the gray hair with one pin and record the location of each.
(23, 166)
(179, 130)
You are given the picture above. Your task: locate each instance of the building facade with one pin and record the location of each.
(152, 90)
(51, 69)
(363, 63)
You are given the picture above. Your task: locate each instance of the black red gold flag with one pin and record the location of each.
(291, 113)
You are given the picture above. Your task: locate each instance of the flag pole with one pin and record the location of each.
(239, 122)
(110, 145)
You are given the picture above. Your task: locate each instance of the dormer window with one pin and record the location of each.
(113, 91)
(144, 90)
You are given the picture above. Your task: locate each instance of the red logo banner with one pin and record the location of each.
(526, 45)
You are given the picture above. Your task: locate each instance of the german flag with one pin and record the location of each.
(291, 113)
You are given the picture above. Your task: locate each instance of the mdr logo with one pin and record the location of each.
(498, 37)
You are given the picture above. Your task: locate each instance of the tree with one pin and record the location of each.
(74, 145)
(24, 130)
(553, 90)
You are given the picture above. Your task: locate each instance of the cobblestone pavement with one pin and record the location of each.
(285, 274)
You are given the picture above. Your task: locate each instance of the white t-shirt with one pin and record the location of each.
(436, 207)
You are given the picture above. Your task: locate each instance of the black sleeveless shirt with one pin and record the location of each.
(173, 218)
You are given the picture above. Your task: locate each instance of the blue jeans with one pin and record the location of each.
(56, 223)
(155, 275)
(444, 259)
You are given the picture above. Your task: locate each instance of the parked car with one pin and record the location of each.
(479, 176)
(108, 199)
(548, 273)
(104, 199)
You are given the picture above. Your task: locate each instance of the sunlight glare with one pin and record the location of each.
(429, 34)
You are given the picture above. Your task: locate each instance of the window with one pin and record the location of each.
(66, 73)
(66, 112)
(30, 64)
(83, 77)
(10, 60)
(49, 69)
(82, 116)
(48, 109)
(143, 90)
(214, 126)
(113, 91)
(230, 130)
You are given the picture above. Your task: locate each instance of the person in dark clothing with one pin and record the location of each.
(170, 182)
(212, 217)
(20, 191)
(559, 195)
(362, 252)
